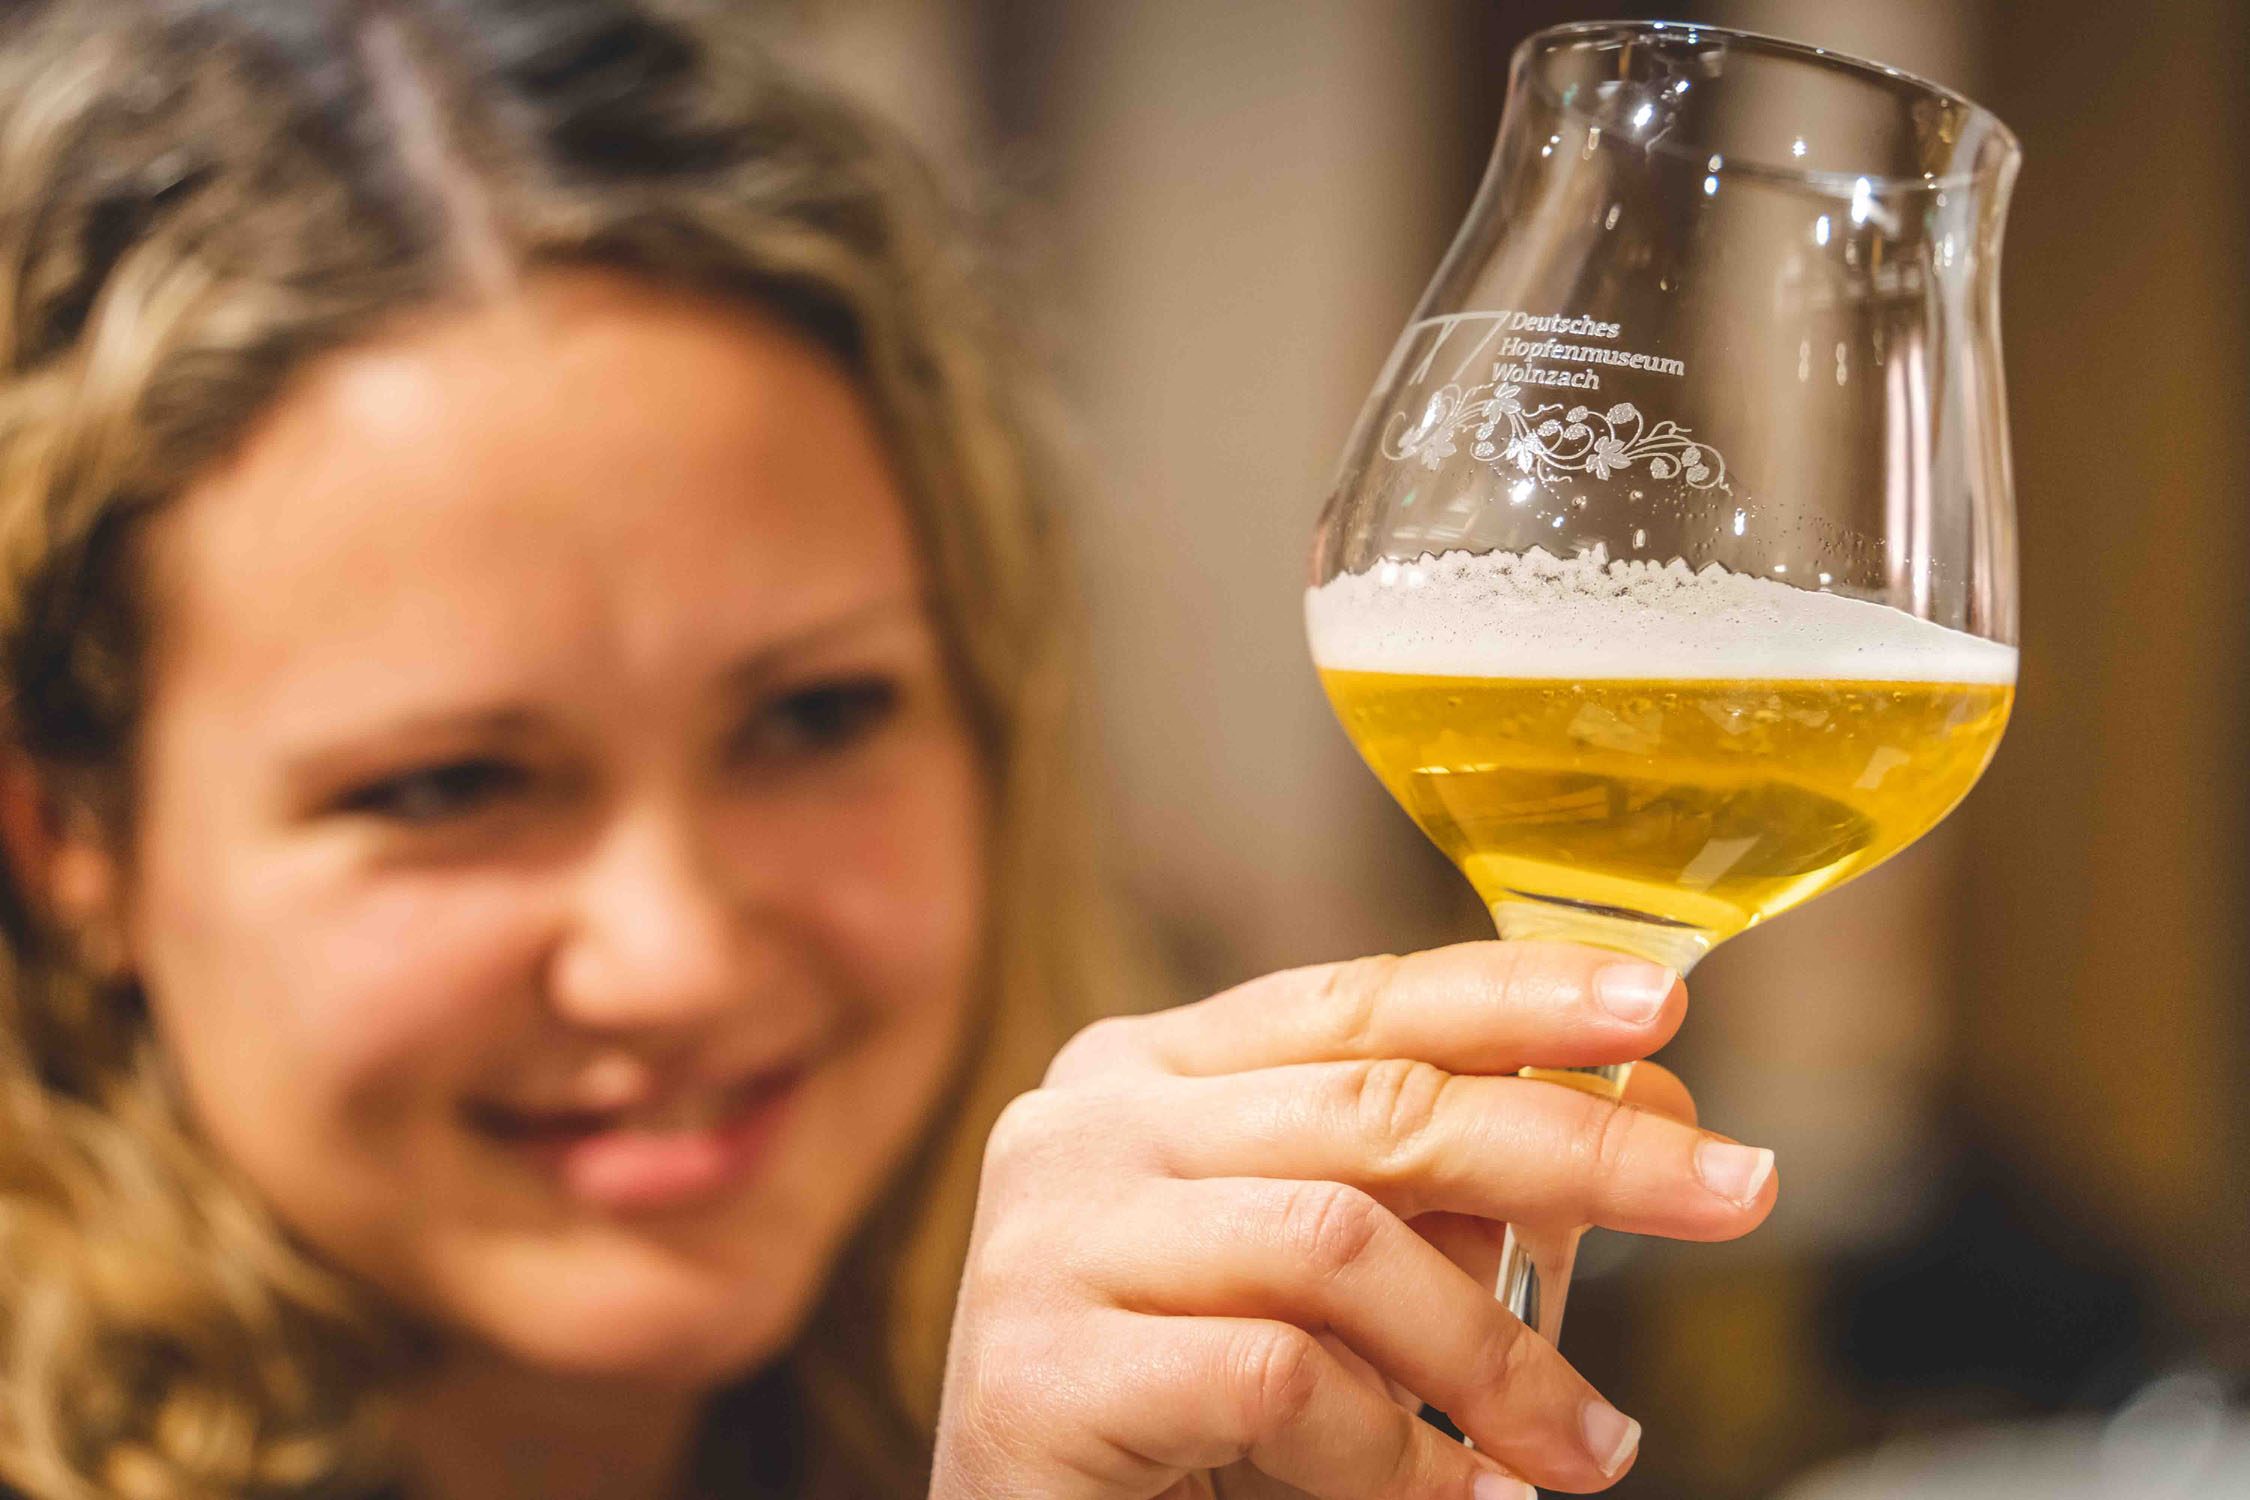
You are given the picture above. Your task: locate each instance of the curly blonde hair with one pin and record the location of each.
(196, 198)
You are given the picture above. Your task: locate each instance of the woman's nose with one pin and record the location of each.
(659, 935)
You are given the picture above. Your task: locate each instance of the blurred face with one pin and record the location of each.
(559, 864)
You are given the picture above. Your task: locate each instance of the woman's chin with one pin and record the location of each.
(645, 1346)
(666, 1325)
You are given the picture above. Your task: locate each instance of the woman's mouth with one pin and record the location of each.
(675, 1151)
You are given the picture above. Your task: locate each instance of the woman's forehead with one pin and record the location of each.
(588, 465)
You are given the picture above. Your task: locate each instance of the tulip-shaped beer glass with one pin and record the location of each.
(1669, 575)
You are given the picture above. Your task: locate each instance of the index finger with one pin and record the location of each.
(1485, 1007)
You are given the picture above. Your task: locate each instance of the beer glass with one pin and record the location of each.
(1668, 579)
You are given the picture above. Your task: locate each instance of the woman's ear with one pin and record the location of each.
(60, 865)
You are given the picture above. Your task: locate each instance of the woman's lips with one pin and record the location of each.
(670, 1156)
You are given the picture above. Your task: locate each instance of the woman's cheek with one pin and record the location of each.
(902, 875)
(416, 979)
(351, 1007)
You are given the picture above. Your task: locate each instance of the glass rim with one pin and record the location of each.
(1845, 63)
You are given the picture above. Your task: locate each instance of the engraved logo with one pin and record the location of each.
(1551, 440)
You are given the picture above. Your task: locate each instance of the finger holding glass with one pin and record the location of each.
(1244, 1235)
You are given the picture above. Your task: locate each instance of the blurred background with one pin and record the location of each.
(2013, 1251)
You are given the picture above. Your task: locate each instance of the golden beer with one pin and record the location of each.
(1694, 806)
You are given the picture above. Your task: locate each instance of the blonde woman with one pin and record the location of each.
(539, 845)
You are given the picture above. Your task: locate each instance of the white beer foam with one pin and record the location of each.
(1531, 614)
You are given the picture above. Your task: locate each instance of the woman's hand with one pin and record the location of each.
(1240, 1232)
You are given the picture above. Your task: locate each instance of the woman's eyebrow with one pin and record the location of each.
(774, 657)
(330, 760)
(333, 757)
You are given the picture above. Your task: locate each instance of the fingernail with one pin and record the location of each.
(1736, 1173)
(1611, 1436)
(1501, 1487)
(1634, 992)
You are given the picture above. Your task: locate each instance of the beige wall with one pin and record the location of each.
(1249, 214)
(2106, 1024)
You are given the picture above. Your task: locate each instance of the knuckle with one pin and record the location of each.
(1349, 996)
(1502, 1354)
(1328, 1227)
(1100, 1047)
(1406, 1470)
(1021, 1132)
(1611, 1131)
(1069, 1142)
(1273, 1372)
(1396, 1103)
(1012, 1257)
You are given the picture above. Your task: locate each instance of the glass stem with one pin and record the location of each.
(1535, 1260)
(1535, 1264)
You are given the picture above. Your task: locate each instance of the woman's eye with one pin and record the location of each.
(434, 793)
(826, 716)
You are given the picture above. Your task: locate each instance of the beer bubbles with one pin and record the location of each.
(1652, 757)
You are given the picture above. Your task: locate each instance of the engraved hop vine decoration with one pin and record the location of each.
(1549, 442)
